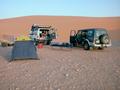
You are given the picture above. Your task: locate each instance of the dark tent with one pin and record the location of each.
(24, 50)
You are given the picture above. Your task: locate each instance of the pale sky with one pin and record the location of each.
(90, 8)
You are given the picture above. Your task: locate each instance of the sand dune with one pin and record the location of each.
(63, 24)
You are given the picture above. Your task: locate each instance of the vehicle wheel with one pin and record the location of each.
(86, 46)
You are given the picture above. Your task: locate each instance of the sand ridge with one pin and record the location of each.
(63, 24)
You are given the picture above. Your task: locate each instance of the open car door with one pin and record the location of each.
(73, 37)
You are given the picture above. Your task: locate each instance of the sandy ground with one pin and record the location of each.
(62, 69)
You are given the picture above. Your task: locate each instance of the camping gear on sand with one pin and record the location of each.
(39, 46)
(5, 43)
(61, 44)
(22, 38)
(24, 50)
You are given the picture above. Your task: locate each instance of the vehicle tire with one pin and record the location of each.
(104, 39)
(86, 46)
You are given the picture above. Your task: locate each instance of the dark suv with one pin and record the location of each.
(90, 38)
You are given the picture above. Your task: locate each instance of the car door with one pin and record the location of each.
(79, 37)
(53, 33)
(90, 35)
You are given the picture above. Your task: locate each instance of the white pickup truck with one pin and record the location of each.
(42, 34)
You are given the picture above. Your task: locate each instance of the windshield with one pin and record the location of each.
(34, 31)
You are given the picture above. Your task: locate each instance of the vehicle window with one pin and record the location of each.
(34, 29)
(83, 33)
(100, 32)
(90, 33)
(79, 32)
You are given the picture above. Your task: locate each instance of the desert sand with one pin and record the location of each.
(61, 68)
(22, 25)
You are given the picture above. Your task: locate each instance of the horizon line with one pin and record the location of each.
(60, 16)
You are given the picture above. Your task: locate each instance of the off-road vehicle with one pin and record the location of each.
(42, 34)
(90, 38)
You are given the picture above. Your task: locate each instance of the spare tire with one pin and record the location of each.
(104, 39)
